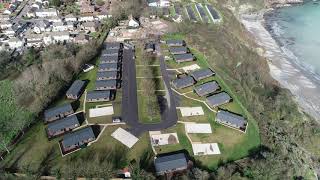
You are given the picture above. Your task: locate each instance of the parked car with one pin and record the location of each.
(87, 67)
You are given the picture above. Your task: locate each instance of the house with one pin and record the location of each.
(15, 43)
(174, 42)
(109, 59)
(113, 45)
(9, 32)
(34, 40)
(46, 12)
(81, 39)
(107, 75)
(59, 112)
(110, 52)
(183, 82)
(70, 26)
(5, 24)
(106, 84)
(41, 26)
(98, 96)
(70, 18)
(4, 17)
(179, 58)
(76, 89)
(76, 139)
(207, 88)
(178, 50)
(62, 126)
(90, 26)
(108, 67)
(7, 12)
(232, 120)
(59, 26)
(32, 12)
(53, 19)
(36, 5)
(87, 8)
(47, 39)
(86, 18)
(170, 163)
(133, 23)
(102, 15)
(158, 3)
(202, 74)
(218, 99)
(61, 36)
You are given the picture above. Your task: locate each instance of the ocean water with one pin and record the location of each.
(297, 30)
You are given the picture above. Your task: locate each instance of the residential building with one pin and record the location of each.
(113, 45)
(200, 74)
(32, 12)
(59, 26)
(41, 26)
(109, 59)
(106, 75)
(46, 12)
(81, 39)
(98, 96)
(61, 36)
(86, 18)
(70, 18)
(207, 88)
(90, 26)
(76, 139)
(106, 84)
(150, 47)
(218, 99)
(101, 16)
(4, 17)
(53, 19)
(178, 50)
(183, 82)
(34, 40)
(170, 163)
(158, 3)
(133, 23)
(9, 32)
(62, 126)
(5, 24)
(108, 67)
(232, 120)
(110, 52)
(15, 43)
(174, 42)
(59, 112)
(180, 58)
(76, 89)
(70, 26)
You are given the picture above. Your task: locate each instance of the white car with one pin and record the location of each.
(87, 67)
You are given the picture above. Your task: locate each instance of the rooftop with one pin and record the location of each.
(207, 88)
(107, 74)
(218, 99)
(63, 123)
(98, 94)
(232, 118)
(77, 136)
(57, 110)
(183, 57)
(202, 73)
(183, 82)
(76, 87)
(170, 162)
(106, 83)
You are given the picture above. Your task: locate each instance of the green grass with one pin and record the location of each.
(141, 71)
(143, 107)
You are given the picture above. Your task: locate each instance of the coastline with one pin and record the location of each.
(286, 71)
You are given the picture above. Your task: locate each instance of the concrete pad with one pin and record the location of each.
(191, 68)
(199, 128)
(205, 149)
(103, 111)
(125, 137)
(164, 139)
(191, 111)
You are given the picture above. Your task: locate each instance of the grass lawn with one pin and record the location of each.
(143, 109)
(141, 71)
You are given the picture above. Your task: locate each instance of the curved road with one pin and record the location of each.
(169, 116)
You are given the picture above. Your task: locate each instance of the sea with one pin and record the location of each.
(290, 37)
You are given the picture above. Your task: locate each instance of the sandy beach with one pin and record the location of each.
(286, 71)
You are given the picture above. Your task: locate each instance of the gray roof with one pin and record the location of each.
(183, 82)
(98, 94)
(109, 59)
(170, 162)
(233, 119)
(178, 50)
(202, 73)
(218, 99)
(77, 136)
(174, 42)
(108, 66)
(52, 112)
(63, 123)
(207, 88)
(113, 45)
(76, 87)
(106, 83)
(107, 74)
(108, 52)
(183, 57)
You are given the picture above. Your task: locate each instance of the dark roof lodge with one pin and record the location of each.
(63, 125)
(76, 139)
(113, 45)
(170, 163)
(178, 50)
(107, 75)
(183, 82)
(202, 74)
(231, 119)
(207, 88)
(174, 42)
(218, 99)
(110, 52)
(109, 59)
(98, 96)
(108, 67)
(179, 58)
(106, 84)
(76, 89)
(59, 112)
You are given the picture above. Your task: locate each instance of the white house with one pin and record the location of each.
(101, 15)
(41, 26)
(70, 26)
(62, 36)
(158, 3)
(4, 17)
(34, 40)
(48, 39)
(59, 26)
(5, 24)
(133, 23)
(46, 12)
(70, 18)
(37, 6)
(15, 43)
(9, 32)
(86, 18)
(6, 12)
(53, 19)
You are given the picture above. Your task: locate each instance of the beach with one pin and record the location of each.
(284, 68)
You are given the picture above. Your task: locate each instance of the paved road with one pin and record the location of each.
(169, 116)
